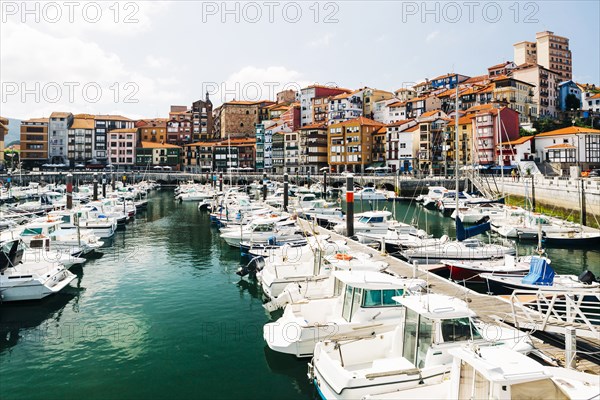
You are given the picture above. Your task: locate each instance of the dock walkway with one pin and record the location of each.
(493, 310)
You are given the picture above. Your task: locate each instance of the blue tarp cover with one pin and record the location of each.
(540, 273)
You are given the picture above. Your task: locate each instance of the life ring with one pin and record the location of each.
(344, 257)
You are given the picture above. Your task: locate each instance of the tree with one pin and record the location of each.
(572, 102)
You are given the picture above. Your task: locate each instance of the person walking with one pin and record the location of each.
(514, 175)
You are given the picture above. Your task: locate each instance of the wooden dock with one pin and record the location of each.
(493, 310)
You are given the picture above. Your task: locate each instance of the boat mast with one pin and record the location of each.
(501, 154)
(456, 144)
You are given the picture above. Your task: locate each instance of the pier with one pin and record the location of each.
(495, 310)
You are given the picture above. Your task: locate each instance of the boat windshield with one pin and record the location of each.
(459, 330)
(381, 298)
(31, 231)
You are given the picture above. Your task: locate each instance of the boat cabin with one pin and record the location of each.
(363, 291)
(374, 217)
(431, 321)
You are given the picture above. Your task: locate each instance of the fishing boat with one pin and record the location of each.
(416, 353)
(363, 306)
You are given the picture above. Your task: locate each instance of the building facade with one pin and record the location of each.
(152, 154)
(350, 144)
(80, 135)
(34, 142)
(58, 126)
(122, 144)
(313, 148)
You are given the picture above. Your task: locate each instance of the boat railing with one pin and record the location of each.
(553, 311)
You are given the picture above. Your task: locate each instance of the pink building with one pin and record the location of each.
(121, 144)
(492, 126)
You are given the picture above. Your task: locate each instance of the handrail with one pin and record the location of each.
(551, 308)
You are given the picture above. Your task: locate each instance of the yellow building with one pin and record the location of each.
(350, 144)
(465, 137)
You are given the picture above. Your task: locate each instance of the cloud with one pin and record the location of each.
(321, 42)
(57, 69)
(432, 36)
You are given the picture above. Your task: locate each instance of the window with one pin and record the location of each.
(458, 330)
(379, 298)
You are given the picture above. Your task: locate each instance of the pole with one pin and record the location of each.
(285, 192)
(532, 193)
(264, 187)
(220, 182)
(324, 184)
(456, 146)
(104, 185)
(95, 193)
(69, 191)
(583, 209)
(112, 179)
(350, 205)
(570, 347)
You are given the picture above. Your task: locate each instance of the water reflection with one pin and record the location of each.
(292, 367)
(24, 319)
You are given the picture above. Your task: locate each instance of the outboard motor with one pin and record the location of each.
(587, 277)
(253, 266)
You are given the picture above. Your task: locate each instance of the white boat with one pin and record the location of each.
(370, 193)
(20, 281)
(261, 231)
(415, 354)
(501, 374)
(363, 307)
(434, 193)
(469, 249)
(471, 214)
(75, 242)
(86, 217)
(375, 222)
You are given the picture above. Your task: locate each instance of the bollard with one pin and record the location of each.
(104, 185)
(308, 179)
(415, 268)
(220, 182)
(532, 193)
(264, 188)
(350, 205)
(583, 208)
(95, 192)
(69, 191)
(124, 180)
(112, 180)
(324, 184)
(285, 192)
(570, 347)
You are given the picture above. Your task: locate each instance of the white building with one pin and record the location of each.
(517, 150)
(402, 145)
(58, 126)
(345, 106)
(569, 146)
(381, 111)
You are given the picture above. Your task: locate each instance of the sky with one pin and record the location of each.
(137, 58)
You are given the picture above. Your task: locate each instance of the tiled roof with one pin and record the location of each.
(397, 104)
(154, 145)
(465, 120)
(520, 140)
(412, 128)
(32, 120)
(398, 123)
(504, 64)
(360, 120)
(480, 107)
(383, 129)
(475, 79)
(571, 130)
(561, 146)
(430, 113)
(83, 123)
(316, 125)
(112, 117)
(242, 103)
(59, 114)
(203, 144)
(126, 130)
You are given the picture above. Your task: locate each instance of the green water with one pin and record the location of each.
(162, 314)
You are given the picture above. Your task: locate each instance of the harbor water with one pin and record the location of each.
(162, 314)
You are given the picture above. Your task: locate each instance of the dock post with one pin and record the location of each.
(264, 187)
(583, 209)
(69, 191)
(220, 182)
(308, 179)
(415, 268)
(570, 347)
(350, 205)
(532, 193)
(112, 179)
(324, 184)
(285, 192)
(104, 185)
(95, 193)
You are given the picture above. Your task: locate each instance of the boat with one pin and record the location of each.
(572, 239)
(364, 306)
(262, 231)
(416, 353)
(469, 249)
(501, 374)
(471, 270)
(434, 193)
(542, 276)
(370, 193)
(375, 222)
(20, 281)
